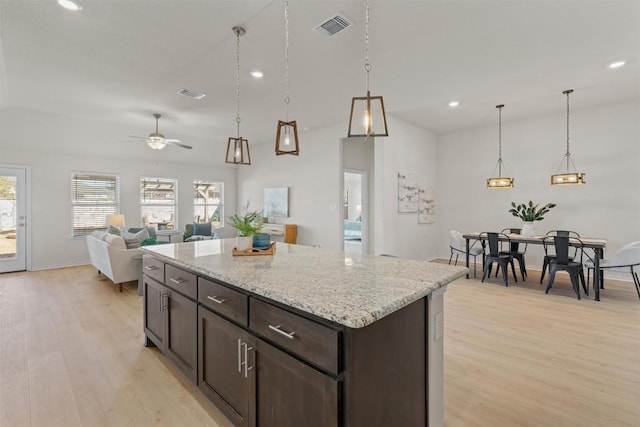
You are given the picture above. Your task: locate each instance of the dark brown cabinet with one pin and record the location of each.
(170, 321)
(224, 374)
(290, 393)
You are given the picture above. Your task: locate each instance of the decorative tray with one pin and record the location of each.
(253, 251)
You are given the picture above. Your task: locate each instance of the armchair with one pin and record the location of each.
(198, 231)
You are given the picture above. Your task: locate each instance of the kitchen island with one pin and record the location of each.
(305, 336)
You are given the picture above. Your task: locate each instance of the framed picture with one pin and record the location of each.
(276, 202)
(426, 206)
(407, 192)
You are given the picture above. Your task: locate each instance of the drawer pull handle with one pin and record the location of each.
(281, 332)
(216, 300)
(177, 281)
(151, 268)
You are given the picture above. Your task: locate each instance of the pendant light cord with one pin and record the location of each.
(286, 59)
(367, 65)
(238, 81)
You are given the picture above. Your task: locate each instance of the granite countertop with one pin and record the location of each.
(353, 291)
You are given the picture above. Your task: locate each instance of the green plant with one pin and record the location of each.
(530, 212)
(247, 224)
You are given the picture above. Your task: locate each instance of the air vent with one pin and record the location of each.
(333, 25)
(192, 94)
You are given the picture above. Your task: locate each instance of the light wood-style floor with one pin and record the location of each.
(71, 354)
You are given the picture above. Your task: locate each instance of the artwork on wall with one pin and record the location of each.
(426, 206)
(407, 192)
(276, 202)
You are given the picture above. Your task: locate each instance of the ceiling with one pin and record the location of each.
(111, 65)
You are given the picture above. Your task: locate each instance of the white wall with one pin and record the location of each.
(314, 179)
(409, 149)
(50, 219)
(605, 144)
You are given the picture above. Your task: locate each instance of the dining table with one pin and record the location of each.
(594, 243)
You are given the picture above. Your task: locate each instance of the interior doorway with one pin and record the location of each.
(355, 212)
(13, 219)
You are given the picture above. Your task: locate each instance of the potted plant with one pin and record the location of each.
(248, 225)
(529, 213)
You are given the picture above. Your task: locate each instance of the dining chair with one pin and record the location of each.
(495, 256)
(514, 251)
(627, 260)
(563, 262)
(550, 256)
(458, 244)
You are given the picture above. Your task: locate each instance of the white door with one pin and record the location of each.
(13, 219)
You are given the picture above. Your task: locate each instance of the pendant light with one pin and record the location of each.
(238, 147)
(287, 134)
(500, 181)
(367, 112)
(568, 178)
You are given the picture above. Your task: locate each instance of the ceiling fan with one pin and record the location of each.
(157, 141)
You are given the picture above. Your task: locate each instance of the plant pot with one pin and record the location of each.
(528, 229)
(261, 241)
(244, 242)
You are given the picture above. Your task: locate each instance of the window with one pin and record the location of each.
(158, 202)
(93, 197)
(207, 202)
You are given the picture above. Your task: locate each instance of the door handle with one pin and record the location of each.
(247, 368)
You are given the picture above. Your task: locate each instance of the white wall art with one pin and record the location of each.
(276, 202)
(426, 206)
(407, 192)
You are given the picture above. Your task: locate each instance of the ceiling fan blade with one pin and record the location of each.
(177, 143)
(139, 137)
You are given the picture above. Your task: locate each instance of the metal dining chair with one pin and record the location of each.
(514, 251)
(495, 256)
(563, 262)
(550, 256)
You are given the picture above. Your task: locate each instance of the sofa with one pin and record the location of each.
(109, 254)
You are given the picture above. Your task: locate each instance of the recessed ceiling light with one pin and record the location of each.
(616, 64)
(454, 104)
(70, 5)
(257, 74)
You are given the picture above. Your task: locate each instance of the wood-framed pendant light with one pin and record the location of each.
(367, 118)
(287, 133)
(238, 147)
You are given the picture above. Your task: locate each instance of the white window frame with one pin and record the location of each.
(98, 210)
(166, 223)
(197, 207)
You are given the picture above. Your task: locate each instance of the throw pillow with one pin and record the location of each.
(202, 228)
(149, 241)
(133, 240)
(115, 241)
(113, 230)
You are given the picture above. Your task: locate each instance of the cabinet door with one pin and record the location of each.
(154, 301)
(181, 338)
(289, 393)
(222, 361)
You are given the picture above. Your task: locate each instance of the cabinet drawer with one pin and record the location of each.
(182, 281)
(223, 300)
(312, 341)
(153, 267)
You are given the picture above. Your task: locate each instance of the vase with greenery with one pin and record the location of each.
(247, 225)
(529, 213)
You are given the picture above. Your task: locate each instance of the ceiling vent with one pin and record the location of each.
(333, 25)
(190, 93)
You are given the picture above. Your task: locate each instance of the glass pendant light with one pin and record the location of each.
(568, 177)
(287, 134)
(500, 181)
(238, 147)
(367, 112)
